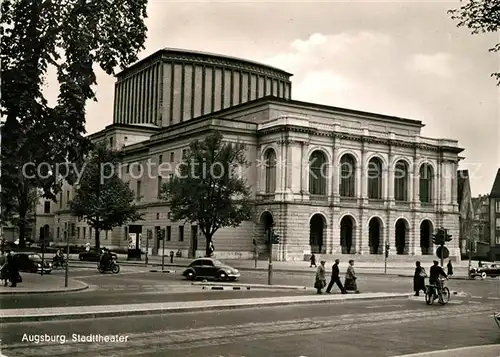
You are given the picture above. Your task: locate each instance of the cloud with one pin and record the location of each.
(437, 64)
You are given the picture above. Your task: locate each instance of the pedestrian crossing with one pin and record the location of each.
(165, 341)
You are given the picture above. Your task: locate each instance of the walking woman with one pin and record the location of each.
(419, 279)
(320, 281)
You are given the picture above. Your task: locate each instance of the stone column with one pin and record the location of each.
(261, 171)
(390, 179)
(280, 167)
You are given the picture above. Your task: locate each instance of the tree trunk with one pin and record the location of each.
(208, 248)
(22, 232)
(97, 238)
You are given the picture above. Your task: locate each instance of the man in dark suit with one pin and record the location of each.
(335, 278)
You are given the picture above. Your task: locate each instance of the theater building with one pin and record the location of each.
(331, 181)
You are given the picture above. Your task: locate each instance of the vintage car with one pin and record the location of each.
(93, 255)
(491, 270)
(32, 263)
(209, 268)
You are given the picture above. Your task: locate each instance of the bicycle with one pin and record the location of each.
(433, 292)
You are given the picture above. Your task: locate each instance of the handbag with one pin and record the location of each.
(422, 273)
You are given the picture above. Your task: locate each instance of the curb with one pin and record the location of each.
(221, 286)
(145, 309)
(464, 351)
(162, 271)
(62, 290)
(225, 288)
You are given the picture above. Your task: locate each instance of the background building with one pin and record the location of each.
(339, 181)
(494, 205)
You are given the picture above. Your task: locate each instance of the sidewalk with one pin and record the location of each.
(82, 312)
(36, 284)
(476, 351)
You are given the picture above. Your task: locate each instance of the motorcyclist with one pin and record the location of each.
(105, 259)
(435, 272)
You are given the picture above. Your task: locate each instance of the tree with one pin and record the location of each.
(101, 197)
(71, 36)
(209, 188)
(481, 16)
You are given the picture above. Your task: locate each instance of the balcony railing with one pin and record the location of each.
(318, 198)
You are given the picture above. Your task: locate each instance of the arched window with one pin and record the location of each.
(347, 176)
(375, 178)
(270, 164)
(401, 181)
(317, 173)
(426, 175)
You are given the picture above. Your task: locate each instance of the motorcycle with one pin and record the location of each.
(58, 262)
(112, 267)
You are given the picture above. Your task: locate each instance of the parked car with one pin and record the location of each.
(491, 270)
(32, 263)
(209, 268)
(94, 255)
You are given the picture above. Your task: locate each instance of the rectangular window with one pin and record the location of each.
(498, 240)
(172, 157)
(127, 168)
(46, 207)
(497, 208)
(181, 233)
(497, 223)
(60, 200)
(159, 186)
(111, 143)
(138, 191)
(126, 233)
(169, 233)
(67, 198)
(90, 232)
(73, 229)
(78, 233)
(160, 159)
(58, 232)
(184, 153)
(84, 232)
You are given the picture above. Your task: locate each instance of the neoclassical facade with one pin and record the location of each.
(329, 180)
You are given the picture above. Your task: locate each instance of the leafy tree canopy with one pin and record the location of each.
(71, 36)
(481, 16)
(101, 197)
(209, 188)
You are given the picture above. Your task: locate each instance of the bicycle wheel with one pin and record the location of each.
(445, 296)
(429, 299)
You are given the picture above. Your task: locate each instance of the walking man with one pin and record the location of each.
(335, 278)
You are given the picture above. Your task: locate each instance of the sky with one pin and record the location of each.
(401, 58)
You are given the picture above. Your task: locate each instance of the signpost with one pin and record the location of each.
(67, 259)
(386, 256)
(162, 237)
(440, 238)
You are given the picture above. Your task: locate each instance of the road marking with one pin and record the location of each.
(494, 298)
(476, 297)
(380, 306)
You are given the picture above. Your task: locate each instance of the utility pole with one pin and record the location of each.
(67, 259)
(162, 249)
(148, 237)
(270, 266)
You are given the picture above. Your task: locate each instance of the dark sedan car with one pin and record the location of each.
(491, 270)
(32, 263)
(94, 255)
(208, 268)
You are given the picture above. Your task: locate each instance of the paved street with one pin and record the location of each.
(346, 329)
(137, 284)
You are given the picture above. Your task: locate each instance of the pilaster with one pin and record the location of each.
(335, 170)
(390, 171)
(416, 181)
(280, 168)
(364, 176)
(304, 169)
